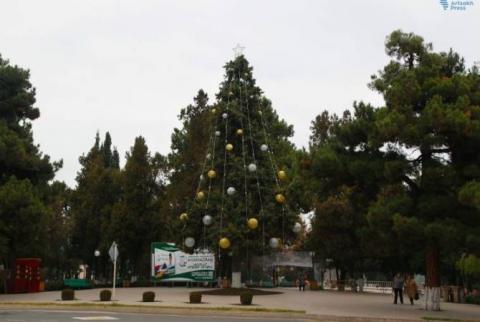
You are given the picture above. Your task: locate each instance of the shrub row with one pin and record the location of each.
(246, 297)
(68, 294)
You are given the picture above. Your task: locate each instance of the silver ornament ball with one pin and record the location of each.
(207, 220)
(189, 242)
(231, 191)
(252, 167)
(274, 242)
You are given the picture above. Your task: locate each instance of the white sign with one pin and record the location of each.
(113, 252)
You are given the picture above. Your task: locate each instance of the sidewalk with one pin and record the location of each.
(320, 303)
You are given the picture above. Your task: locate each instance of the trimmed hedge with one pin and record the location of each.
(471, 299)
(68, 294)
(105, 295)
(195, 297)
(148, 296)
(246, 298)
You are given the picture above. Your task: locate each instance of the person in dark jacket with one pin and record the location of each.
(301, 282)
(398, 288)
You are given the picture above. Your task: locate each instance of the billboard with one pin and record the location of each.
(171, 264)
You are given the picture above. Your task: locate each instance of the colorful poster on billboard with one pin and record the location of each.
(171, 264)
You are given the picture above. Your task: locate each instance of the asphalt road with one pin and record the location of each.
(66, 316)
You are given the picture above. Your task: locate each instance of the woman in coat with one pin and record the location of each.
(411, 289)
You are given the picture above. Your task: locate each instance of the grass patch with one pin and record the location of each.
(237, 291)
(432, 318)
(149, 307)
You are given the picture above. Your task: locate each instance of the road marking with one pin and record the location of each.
(94, 318)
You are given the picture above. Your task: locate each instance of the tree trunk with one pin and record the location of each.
(432, 287)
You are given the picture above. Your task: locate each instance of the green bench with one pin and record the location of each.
(77, 283)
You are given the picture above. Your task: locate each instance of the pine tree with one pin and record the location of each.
(24, 171)
(92, 202)
(134, 217)
(239, 180)
(432, 108)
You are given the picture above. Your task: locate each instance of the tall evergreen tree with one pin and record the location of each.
(24, 171)
(135, 217)
(188, 146)
(344, 176)
(97, 191)
(432, 121)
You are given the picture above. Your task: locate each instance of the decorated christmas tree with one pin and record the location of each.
(241, 208)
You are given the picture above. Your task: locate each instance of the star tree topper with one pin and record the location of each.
(238, 50)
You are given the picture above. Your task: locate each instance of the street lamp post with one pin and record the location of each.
(96, 253)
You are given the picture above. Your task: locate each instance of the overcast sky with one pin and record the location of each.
(128, 67)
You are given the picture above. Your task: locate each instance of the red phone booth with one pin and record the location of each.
(27, 275)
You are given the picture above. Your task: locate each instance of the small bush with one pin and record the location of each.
(246, 298)
(68, 294)
(105, 295)
(195, 297)
(471, 299)
(148, 296)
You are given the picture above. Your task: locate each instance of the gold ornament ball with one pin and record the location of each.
(252, 223)
(229, 147)
(239, 132)
(214, 110)
(282, 175)
(224, 243)
(200, 195)
(211, 174)
(280, 198)
(184, 217)
(230, 93)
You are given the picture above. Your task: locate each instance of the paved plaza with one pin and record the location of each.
(314, 303)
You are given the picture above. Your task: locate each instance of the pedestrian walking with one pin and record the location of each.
(411, 289)
(301, 282)
(398, 288)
